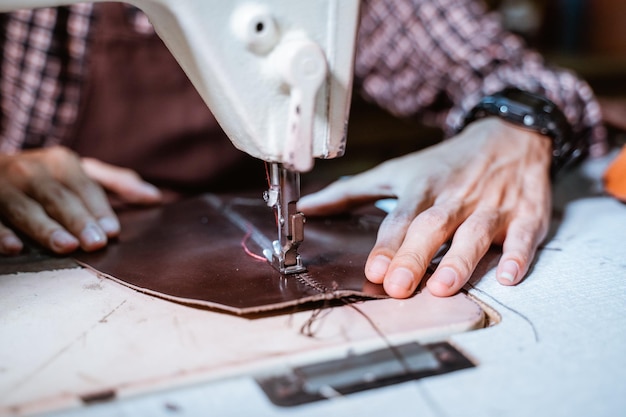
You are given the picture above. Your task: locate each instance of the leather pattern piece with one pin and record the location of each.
(191, 252)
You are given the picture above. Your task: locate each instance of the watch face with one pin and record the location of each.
(523, 98)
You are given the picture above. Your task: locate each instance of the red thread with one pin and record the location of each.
(244, 245)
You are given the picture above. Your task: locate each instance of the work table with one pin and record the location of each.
(551, 346)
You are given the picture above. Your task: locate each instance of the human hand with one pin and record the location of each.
(489, 184)
(53, 198)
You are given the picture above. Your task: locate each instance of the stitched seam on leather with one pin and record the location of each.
(306, 279)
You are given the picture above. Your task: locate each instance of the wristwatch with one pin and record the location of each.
(536, 113)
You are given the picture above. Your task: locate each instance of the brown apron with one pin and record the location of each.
(140, 111)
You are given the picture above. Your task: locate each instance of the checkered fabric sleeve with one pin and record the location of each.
(42, 71)
(434, 60)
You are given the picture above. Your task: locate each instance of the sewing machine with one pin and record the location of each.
(277, 75)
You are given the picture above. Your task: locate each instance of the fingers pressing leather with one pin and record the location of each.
(94, 200)
(471, 241)
(10, 244)
(69, 210)
(123, 182)
(27, 215)
(391, 234)
(423, 237)
(389, 239)
(86, 212)
(46, 195)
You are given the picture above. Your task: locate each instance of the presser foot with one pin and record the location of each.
(282, 196)
(287, 265)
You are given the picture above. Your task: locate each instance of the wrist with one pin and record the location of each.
(534, 113)
(504, 143)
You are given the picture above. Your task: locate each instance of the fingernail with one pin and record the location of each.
(378, 267)
(402, 278)
(109, 225)
(92, 235)
(11, 245)
(446, 277)
(151, 189)
(510, 270)
(60, 240)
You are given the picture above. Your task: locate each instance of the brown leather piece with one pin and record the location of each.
(191, 251)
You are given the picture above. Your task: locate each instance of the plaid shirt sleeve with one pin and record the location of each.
(41, 74)
(434, 60)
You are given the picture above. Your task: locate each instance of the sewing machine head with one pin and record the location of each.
(277, 74)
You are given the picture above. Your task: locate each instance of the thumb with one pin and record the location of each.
(123, 182)
(341, 196)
